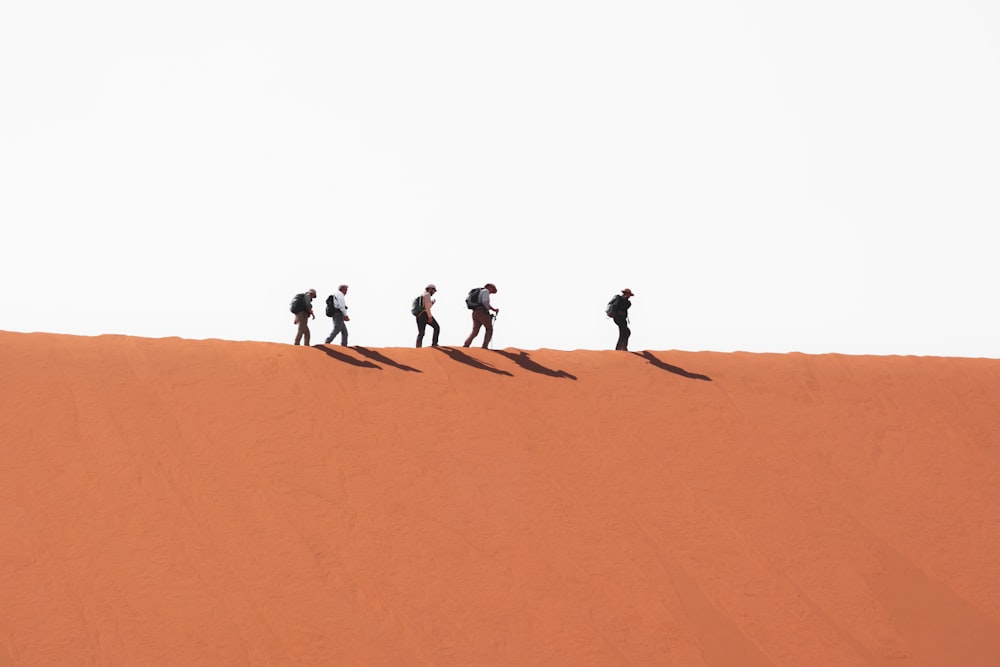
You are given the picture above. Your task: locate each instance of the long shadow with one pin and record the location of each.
(648, 356)
(523, 359)
(463, 358)
(378, 356)
(346, 358)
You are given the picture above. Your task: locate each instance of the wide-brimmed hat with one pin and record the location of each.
(627, 292)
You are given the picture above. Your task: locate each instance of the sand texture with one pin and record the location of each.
(178, 502)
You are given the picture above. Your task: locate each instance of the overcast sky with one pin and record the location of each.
(765, 176)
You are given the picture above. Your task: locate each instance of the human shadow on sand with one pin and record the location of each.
(381, 358)
(523, 359)
(463, 358)
(648, 356)
(346, 358)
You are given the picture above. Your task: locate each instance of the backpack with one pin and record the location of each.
(612, 308)
(298, 304)
(330, 310)
(418, 305)
(472, 301)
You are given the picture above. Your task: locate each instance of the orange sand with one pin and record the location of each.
(175, 502)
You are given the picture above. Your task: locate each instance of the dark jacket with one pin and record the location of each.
(622, 304)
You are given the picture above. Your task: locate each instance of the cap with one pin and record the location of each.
(431, 286)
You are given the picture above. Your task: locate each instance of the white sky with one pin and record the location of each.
(765, 176)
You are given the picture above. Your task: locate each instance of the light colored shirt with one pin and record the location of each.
(339, 303)
(428, 302)
(484, 299)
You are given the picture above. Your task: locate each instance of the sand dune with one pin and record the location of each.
(176, 502)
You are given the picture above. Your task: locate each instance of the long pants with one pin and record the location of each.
(422, 326)
(302, 319)
(623, 332)
(480, 318)
(338, 328)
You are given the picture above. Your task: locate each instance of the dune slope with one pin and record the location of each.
(175, 502)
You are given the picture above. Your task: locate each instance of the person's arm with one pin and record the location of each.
(485, 300)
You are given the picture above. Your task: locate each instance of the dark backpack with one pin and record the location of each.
(298, 304)
(330, 310)
(612, 308)
(472, 301)
(418, 305)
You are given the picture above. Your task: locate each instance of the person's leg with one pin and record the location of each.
(333, 332)
(303, 332)
(623, 333)
(488, 323)
(476, 324)
(437, 332)
(343, 329)
(338, 326)
(421, 327)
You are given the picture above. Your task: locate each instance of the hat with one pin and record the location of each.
(431, 287)
(313, 292)
(627, 292)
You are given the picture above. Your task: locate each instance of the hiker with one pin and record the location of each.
(302, 308)
(618, 311)
(479, 302)
(336, 307)
(424, 316)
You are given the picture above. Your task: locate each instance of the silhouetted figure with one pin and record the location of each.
(479, 302)
(302, 309)
(425, 316)
(618, 311)
(337, 309)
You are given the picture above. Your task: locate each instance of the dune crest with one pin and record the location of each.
(168, 502)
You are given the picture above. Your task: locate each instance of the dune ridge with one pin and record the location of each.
(168, 501)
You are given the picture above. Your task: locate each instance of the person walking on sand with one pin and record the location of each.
(337, 309)
(618, 311)
(425, 317)
(302, 309)
(479, 302)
